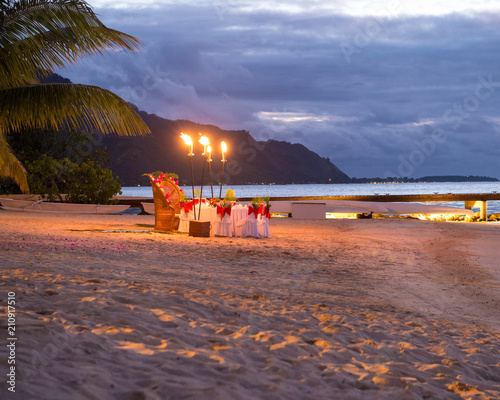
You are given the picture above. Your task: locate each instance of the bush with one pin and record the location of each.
(91, 183)
(86, 183)
(46, 177)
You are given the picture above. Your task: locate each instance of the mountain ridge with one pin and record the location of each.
(248, 161)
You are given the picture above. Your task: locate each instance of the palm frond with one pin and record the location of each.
(62, 104)
(10, 167)
(42, 35)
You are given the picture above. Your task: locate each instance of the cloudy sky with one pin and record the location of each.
(382, 88)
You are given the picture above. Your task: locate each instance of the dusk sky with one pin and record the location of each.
(382, 88)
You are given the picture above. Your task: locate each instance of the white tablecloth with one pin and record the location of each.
(207, 214)
(238, 224)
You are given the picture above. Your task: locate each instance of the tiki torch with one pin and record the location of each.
(209, 159)
(224, 150)
(189, 142)
(205, 142)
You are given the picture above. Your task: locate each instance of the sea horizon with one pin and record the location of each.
(341, 189)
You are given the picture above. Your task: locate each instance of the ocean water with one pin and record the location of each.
(352, 189)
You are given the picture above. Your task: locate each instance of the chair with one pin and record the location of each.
(247, 225)
(166, 196)
(263, 226)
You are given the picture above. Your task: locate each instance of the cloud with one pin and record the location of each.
(365, 90)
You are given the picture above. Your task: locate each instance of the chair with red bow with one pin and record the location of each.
(223, 225)
(263, 222)
(248, 226)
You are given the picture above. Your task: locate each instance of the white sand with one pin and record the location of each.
(337, 309)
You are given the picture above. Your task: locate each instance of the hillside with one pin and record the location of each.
(248, 161)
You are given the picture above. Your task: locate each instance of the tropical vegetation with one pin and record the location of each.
(87, 182)
(37, 37)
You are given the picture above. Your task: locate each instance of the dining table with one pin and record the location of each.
(237, 220)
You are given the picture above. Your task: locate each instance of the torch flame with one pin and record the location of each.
(204, 141)
(186, 139)
(224, 147)
(209, 159)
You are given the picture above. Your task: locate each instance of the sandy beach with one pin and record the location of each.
(106, 308)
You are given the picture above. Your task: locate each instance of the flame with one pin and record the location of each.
(186, 139)
(209, 149)
(204, 141)
(224, 147)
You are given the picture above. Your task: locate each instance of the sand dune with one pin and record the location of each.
(336, 309)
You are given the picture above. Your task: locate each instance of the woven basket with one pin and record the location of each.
(166, 219)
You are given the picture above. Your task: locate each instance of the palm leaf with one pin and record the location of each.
(10, 167)
(38, 36)
(62, 104)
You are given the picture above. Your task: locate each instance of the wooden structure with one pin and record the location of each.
(166, 212)
(470, 199)
(199, 228)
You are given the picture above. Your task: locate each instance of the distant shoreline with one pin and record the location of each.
(427, 179)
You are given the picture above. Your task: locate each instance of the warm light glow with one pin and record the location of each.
(223, 146)
(205, 142)
(189, 142)
(209, 151)
(186, 139)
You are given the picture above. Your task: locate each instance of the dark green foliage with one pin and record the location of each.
(46, 177)
(87, 182)
(90, 183)
(64, 162)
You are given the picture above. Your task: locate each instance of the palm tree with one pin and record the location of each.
(37, 36)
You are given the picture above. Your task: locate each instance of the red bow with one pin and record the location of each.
(187, 206)
(256, 211)
(223, 210)
(266, 213)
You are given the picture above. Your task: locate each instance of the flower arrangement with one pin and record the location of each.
(258, 207)
(214, 202)
(224, 206)
(188, 204)
(267, 207)
(257, 202)
(159, 177)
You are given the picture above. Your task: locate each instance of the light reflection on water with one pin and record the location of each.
(353, 189)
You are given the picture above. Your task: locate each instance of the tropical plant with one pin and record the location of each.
(46, 177)
(10, 165)
(229, 196)
(228, 200)
(267, 200)
(86, 182)
(257, 202)
(91, 183)
(36, 37)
